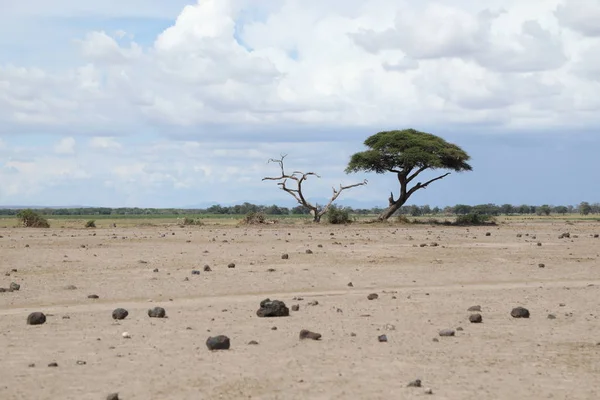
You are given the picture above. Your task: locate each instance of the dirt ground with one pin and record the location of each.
(421, 291)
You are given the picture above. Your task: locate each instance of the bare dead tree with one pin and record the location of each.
(298, 178)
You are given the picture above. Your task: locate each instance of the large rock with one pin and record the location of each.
(36, 318)
(220, 342)
(157, 312)
(519, 312)
(120, 313)
(272, 308)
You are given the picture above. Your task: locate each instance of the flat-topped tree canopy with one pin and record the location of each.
(407, 153)
(394, 151)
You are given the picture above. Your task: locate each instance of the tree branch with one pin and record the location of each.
(417, 172)
(424, 185)
(336, 193)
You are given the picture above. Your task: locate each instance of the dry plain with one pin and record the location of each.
(421, 291)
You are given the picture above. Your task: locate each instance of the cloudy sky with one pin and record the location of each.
(178, 103)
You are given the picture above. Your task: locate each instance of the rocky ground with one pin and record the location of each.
(375, 312)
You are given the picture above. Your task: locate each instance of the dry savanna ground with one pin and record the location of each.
(421, 290)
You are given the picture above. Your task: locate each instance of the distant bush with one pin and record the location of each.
(90, 224)
(31, 219)
(192, 221)
(255, 217)
(402, 219)
(338, 215)
(475, 219)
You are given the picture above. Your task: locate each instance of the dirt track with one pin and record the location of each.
(421, 290)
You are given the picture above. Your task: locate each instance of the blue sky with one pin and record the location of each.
(180, 103)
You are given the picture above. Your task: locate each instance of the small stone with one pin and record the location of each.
(519, 235)
(120, 313)
(519, 312)
(389, 327)
(93, 296)
(539, 243)
(474, 309)
(382, 338)
(195, 272)
(285, 256)
(231, 265)
(350, 284)
(352, 334)
(126, 335)
(475, 318)
(447, 332)
(14, 286)
(274, 308)
(296, 307)
(207, 268)
(32, 365)
(220, 342)
(428, 391)
(113, 396)
(416, 383)
(308, 251)
(155, 270)
(306, 334)
(460, 329)
(36, 318)
(313, 303)
(596, 235)
(373, 296)
(253, 343)
(70, 287)
(423, 245)
(53, 364)
(157, 312)
(551, 316)
(542, 265)
(80, 362)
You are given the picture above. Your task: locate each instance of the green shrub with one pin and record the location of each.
(254, 217)
(192, 221)
(31, 219)
(402, 219)
(90, 224)
(338, 215)
(475, 219)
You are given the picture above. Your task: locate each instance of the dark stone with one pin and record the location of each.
(285, 256)
(231, 265)
(70, 287)
(53, 364)
(306, 334)
(350, 284)
(120, 313)
(542, 265)
(155, 270)
(313, 303)
(253, 343)
(416, 383)
(296, 307)
(157, 312)
(220, 342)
(14, 286)
(207, 268)
(596, 235)
(195, 272)
(551, 316)
(382, 338)
(93, 296)
(488, 234)
(373, 296)
(475, 318)
(447, 332)
(474, 309)
(113, 396)
(309, 251)
(520, 312)
(3, 290)
(273, 308)
(36, 318)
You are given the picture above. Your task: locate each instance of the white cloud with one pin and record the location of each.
(104, 143)
(100, 48)
(65, 146)
(581, 16)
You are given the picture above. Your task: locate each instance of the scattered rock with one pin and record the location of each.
(373, 296)
(70, 287)
(539, 243)
(157, 312)
(551, 316)
(126, 335)
(195, 272)
(155, 270)
(207, 268)
(93, 296)
(81, 362)
(306, 334)
(350, 284)
(542, 265)
(113, 396)
(220, 342)
(428, 391)
(36, 318)
(273, 308)
(53, 364)
(519, 312)
(296, 307)
(519, 235)
(14, 286)
(416, 383)
(475, 318)
(253, 343)
(488, 234)
(447, 332)
(285, 256)
(313, 303)
(231, 265)
(120, 313)
(309, 251)
(382, 338)
(474, 309)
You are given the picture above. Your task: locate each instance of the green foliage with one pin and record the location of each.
(191, 221)
(407, 150)
(90, 224)
(585, 208)
(32, 219)
(254, 217)
(475, 219)
(338, 215)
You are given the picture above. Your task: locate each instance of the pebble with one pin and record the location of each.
(36, 318)
(475, 318)
(120, 313)
(382, 338)
(519, 312)
(447, 332)
(373, 296)
(220, 342)
(306, 334)
(157, 312)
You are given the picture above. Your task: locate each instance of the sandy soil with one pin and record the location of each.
(421, 290)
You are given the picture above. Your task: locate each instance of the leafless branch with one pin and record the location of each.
(424, 185)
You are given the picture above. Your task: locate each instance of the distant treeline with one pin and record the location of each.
(584, 208)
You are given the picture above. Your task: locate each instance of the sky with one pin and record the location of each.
(180, 103)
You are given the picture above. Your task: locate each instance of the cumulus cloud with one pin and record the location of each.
(581, 16)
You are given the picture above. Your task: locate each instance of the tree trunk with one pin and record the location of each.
(388, 212)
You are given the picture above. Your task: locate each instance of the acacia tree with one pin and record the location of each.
(298, 178)
(407, 153)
